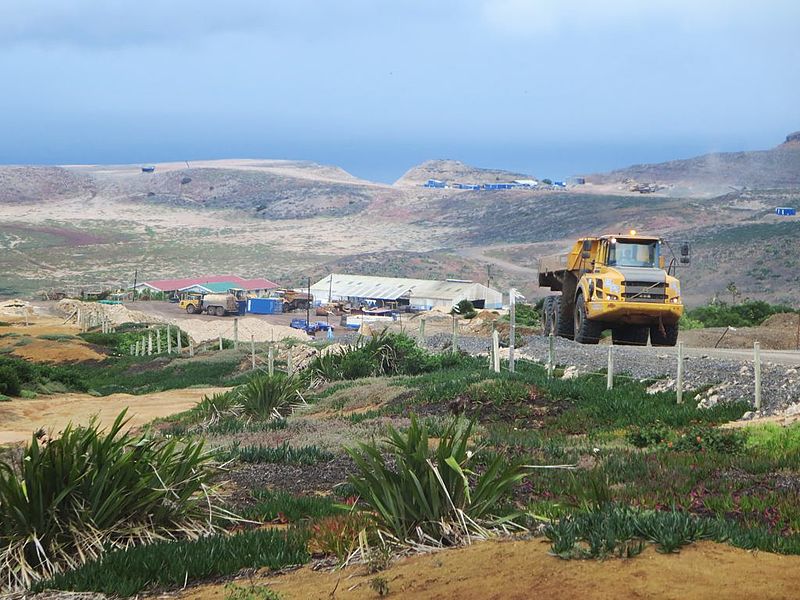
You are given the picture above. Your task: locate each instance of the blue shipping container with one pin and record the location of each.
(265, 306)
(785, 211)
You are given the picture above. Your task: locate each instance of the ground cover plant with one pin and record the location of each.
(72, 497)
(171, 564)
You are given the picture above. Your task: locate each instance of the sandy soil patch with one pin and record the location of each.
(26, 341)
(19, 418)
(523, 570)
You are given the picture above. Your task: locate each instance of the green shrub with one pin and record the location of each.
(526, 315)
(703, 438)
(414, 489)
(89, 490)
(746, 314)
(268, 396)
(648, 435)
(9, 381)
(464, 309)
(171, 564)
(4, 398)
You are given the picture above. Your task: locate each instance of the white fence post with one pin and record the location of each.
(496, 350)
(610, 376)
(679, 380)
(551, 356)
(169, 340)
(757, 368)
(512, 302)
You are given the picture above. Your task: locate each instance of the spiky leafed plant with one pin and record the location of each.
(71, 498)
(213, 408)
(418, 493)
(268, 396)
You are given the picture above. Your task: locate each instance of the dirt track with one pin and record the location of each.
(19, 418)
(523, 570)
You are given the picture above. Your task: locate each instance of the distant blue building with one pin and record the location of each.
(435, 183)
(148, 169)
(785, 211)
(498, 186)
(467, 186)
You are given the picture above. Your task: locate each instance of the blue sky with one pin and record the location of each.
(548, 87)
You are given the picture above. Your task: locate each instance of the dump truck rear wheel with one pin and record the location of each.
(220, 311)
(191, 309)
(587, 331)
(630, 335)
(668, 338)
(564, 322)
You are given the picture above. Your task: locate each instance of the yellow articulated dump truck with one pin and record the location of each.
(616, 282)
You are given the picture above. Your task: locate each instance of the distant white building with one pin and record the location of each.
(526, 182)
(419, 294)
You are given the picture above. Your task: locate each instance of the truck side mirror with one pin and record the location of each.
(587, 248)
(685, 254)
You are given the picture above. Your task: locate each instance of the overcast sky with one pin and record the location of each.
(549, 87)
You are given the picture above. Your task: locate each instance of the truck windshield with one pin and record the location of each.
(628, 253)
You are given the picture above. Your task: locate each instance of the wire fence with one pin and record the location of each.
(168, 339)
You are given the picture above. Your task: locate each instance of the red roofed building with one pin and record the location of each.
(257, 286)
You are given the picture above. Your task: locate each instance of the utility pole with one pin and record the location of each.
(135, 282)
(308, 306)
(488, 275)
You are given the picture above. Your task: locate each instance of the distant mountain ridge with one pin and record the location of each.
(453, 170)
(777, 167)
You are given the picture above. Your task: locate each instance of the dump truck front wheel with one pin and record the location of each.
(668, 338)
(191, 309)
(587, 331)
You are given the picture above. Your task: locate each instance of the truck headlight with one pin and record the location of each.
(676, 300)
(611, 297)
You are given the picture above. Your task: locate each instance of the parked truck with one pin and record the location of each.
(293, 300)
(233, 302)
(616, 282)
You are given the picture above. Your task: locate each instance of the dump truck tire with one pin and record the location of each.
(564, 323)
(668, 338)
(547, 316)
(191, 309)
(586, 330)
(220, 311)
(630, 335)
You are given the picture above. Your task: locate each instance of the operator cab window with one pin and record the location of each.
(628, 253)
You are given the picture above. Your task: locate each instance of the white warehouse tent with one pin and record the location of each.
(420, 294)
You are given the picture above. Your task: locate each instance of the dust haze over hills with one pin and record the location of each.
(93, 225)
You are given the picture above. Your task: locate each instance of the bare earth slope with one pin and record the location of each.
(523, 570)
(774, 168)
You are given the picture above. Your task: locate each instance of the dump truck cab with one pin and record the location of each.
(616, 282)
(191, 302)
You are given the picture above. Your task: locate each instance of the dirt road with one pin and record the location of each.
(522, 570)
(19, 418)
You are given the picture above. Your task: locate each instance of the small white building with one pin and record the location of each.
(419, 294)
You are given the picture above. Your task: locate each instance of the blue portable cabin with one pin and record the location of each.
(435, 183)
(785, 211)
(498, 186)
(148, 169)
(265, 306)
